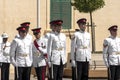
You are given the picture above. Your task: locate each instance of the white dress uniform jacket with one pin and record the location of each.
(111, 51)
(56, 48)
(47, 35)
(21, 52)
(1, 48)
(81, 45)
(38, 56)
(5, 47)
(28, 35)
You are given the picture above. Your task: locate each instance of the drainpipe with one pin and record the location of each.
(38, 13)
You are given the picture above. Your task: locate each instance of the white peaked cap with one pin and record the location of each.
(4, 35)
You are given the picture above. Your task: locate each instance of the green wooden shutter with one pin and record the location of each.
(61, 9)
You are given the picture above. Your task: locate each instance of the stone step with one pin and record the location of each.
(92, 73)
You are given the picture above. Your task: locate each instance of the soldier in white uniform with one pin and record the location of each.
(21, 54)
(47, 36)
(73, 67)
(111, 53)
(80, 51)
(26, 25)
(56, 50)
(5, 58)
(39, 54)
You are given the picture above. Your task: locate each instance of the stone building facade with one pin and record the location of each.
(14, 12)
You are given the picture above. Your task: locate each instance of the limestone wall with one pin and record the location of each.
(14, 12)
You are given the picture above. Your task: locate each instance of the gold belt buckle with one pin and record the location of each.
(37, 54)
(117, 53)
(59, 49)
(84, 47)
(24, 55)
(6, 54)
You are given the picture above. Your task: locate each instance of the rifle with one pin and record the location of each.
(51, 77)
(109, 71)
(16, 69)
(69, 34)
(47, 69)
(74, 69)
(50, 68)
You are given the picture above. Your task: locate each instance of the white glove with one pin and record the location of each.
(90, 62)
(49, 64)
(14, 64)
(106, 64)
(73, 63)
